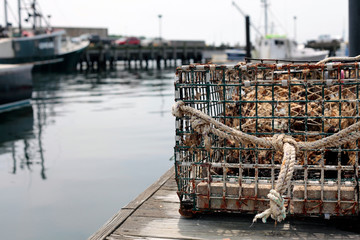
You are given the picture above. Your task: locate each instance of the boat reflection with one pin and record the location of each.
(55, 97)
(20, 140)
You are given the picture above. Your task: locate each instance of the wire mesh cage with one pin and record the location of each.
(308, 103)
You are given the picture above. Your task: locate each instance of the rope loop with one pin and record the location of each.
(201, 126)
(176, 109)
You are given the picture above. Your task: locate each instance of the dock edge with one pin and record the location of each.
(119, 218)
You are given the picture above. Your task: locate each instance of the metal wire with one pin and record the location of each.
(265, 99)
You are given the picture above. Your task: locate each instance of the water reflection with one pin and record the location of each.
(98, 140)
(22, 129)
(40, 120)
(55, 88)
(20, 138)
(16, 125)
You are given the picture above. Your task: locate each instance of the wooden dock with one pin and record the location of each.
(102, 57)
(154, 215)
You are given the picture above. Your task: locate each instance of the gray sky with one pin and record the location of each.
(214, 21)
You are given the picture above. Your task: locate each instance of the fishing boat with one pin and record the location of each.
(281, 47)
(235, 54)
(15, 86)
(47, 48)
(227, 56)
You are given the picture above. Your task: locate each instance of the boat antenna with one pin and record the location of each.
(295, 27)
(34, 12)
(266, 15)
(278, 22)
(42, 17)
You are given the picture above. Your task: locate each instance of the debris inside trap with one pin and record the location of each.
(311, 110)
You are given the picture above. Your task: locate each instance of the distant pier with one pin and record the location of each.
(104, 57)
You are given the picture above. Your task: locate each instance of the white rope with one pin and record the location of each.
(204, 124)
(277, 209)
(339, 59)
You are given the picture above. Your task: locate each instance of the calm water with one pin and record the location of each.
(87, 145)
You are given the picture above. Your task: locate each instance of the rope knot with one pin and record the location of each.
(201, 126)
(278, 141)
(176, 109)
(277, 209)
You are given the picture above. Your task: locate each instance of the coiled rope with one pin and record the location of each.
(204, 124)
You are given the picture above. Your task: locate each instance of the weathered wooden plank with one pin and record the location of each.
(157, 217)
(111, 224)
(151, 190)
(129, 209)
(166, 196)
(224, 226)
(170, 185)
(158, 209)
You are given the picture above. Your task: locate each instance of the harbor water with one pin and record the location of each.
(87, 145)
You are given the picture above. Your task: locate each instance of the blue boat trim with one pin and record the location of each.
(14, 105)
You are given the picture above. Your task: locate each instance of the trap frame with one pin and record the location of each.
(303, 102)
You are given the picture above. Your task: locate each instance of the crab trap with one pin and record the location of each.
(256, 135)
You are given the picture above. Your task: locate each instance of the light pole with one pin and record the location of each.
(160, 16)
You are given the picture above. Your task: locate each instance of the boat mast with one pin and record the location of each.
(34, 14)
(6, 17)
(266, 16)
(19, 9)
